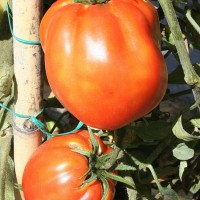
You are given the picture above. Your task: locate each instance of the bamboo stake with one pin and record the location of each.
(28, 61)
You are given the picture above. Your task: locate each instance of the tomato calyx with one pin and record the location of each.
(91, 1)
(103, 167)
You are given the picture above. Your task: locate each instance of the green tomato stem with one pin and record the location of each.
(112, 160)
(159, 149)
(192, 21)
(191, 76)
(196, 93)
(160, 188)
(94, 142)
(105, 187)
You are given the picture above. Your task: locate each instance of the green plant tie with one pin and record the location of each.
(39, 124)
(13, 34)
(33, 119)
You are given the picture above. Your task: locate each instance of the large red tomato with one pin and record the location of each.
(103, 61)
(56, 172)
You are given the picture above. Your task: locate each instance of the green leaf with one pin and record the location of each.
(6, 117)
(9, 183)
(195, 122)
(6, 76)
(167, 192)
(6, 166)
(180, 133)
(157, 130)
(82, 152)
(94, 142)
(49, 123)
(170, 194)
(195, 188)
(116, 154)
(5, 33)
(89, 180)
(1, 13)
(131, 192)
(183, 152)
(183, 165)
(102, 160)
(168, 38)
(105, 187)
(6, 54)
(112, 176)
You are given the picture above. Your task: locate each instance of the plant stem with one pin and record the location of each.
(113, 158)
(28, 61)
(159, 149)
(155, 178)
(196, 93)
(191, 76)
(192, 21)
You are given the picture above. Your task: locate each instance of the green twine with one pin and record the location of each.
(14, 36)
(39, 124)
(33, 119)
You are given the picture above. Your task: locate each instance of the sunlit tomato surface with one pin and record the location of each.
(103, 61)
(55, 172)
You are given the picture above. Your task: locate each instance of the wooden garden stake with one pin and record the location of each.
(28, 61)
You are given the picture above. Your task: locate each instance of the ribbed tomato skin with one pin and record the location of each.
(56, 172)
(103, 61)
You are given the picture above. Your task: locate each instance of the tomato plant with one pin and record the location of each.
(160, 149)
(55, 171)
(103, 61)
